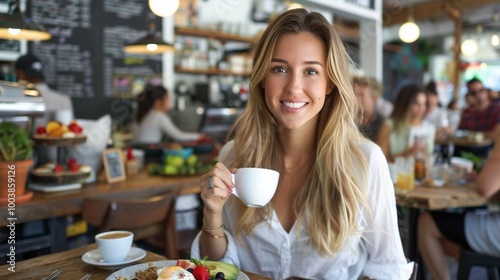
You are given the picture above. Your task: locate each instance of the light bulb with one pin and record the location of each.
(152, 47)
(495, 41)
(469, 47)
(409, 32)
(163, 8)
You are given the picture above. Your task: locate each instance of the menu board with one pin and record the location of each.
(84, 55)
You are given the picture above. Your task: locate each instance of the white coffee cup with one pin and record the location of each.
(255, 186)
(114, 246)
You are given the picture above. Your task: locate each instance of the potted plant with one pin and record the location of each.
(16, 149)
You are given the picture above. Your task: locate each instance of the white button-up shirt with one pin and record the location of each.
(376, 252)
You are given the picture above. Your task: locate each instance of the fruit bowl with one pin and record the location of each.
(45, 140)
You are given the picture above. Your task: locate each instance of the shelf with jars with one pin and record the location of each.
(204, 51)
(211, 33)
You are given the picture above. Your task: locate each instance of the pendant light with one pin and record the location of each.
(469, 47)
(409, 31)
(149, 44)
(164, 8)
(15, 26)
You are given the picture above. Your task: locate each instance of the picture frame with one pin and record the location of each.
(114, 165)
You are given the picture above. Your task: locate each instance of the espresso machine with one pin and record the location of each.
(20, 103)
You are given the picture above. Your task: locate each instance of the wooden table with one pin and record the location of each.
(436, 198)
(55, 207)
(433, 198)
(72, 266)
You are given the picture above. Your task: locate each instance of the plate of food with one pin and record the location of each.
(176, 269)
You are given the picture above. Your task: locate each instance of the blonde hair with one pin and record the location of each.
(330, 200)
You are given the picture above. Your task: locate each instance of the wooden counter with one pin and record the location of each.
(50, 205)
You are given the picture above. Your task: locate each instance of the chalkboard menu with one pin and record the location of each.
(84, 57)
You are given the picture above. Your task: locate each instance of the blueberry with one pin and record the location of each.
(220, 275)
(190, 270)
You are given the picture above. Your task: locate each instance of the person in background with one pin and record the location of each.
(484, 116)
(369, 120)
(333, 215)
(29, 69)
(382, 106)
(473, 230)
(152, 122)
(407, 122)
(435, 114)
(453, 112)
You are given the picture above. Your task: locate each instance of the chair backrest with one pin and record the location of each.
(468, 259)
(145, 217)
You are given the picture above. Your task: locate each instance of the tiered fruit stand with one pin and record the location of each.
(48, 177)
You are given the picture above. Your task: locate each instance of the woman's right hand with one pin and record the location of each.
(216, 187)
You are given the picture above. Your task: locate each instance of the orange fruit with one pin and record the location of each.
(58, 132)
(51, 126)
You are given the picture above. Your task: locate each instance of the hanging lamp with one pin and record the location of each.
(164, 8)
(15, 26)
(409, 31)
(149, 44)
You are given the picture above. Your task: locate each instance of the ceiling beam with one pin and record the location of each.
(429, 10)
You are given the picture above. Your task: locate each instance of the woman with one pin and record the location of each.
(476, 231)
(333, 214)
(152, 122)
(407, 123)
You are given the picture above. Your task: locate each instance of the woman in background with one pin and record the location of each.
(152, 122)
(406, 124)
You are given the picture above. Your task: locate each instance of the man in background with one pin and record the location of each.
(30, 69)
(368, 91)
(483, 116)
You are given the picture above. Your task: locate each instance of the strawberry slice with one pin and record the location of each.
(185, 264)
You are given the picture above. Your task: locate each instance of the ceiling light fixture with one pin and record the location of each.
(149, 44)
(164, 8)
(469, 47)
(409, 31)
(495, 40)
(15, 26)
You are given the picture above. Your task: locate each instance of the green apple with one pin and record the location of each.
(192, 160)
(177, 161)
(170, 170)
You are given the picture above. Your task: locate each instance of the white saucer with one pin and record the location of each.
(94, 258)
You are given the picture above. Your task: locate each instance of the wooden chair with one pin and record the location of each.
(468, 259)
(145, 217)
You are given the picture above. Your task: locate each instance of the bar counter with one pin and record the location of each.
(51, 205)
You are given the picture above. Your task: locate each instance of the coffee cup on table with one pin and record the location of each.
(255, 186)
(114, 246)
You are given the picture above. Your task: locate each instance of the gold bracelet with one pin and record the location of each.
(213, 236)
(210, 229)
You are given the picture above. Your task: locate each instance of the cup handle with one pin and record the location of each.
(233, 178)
